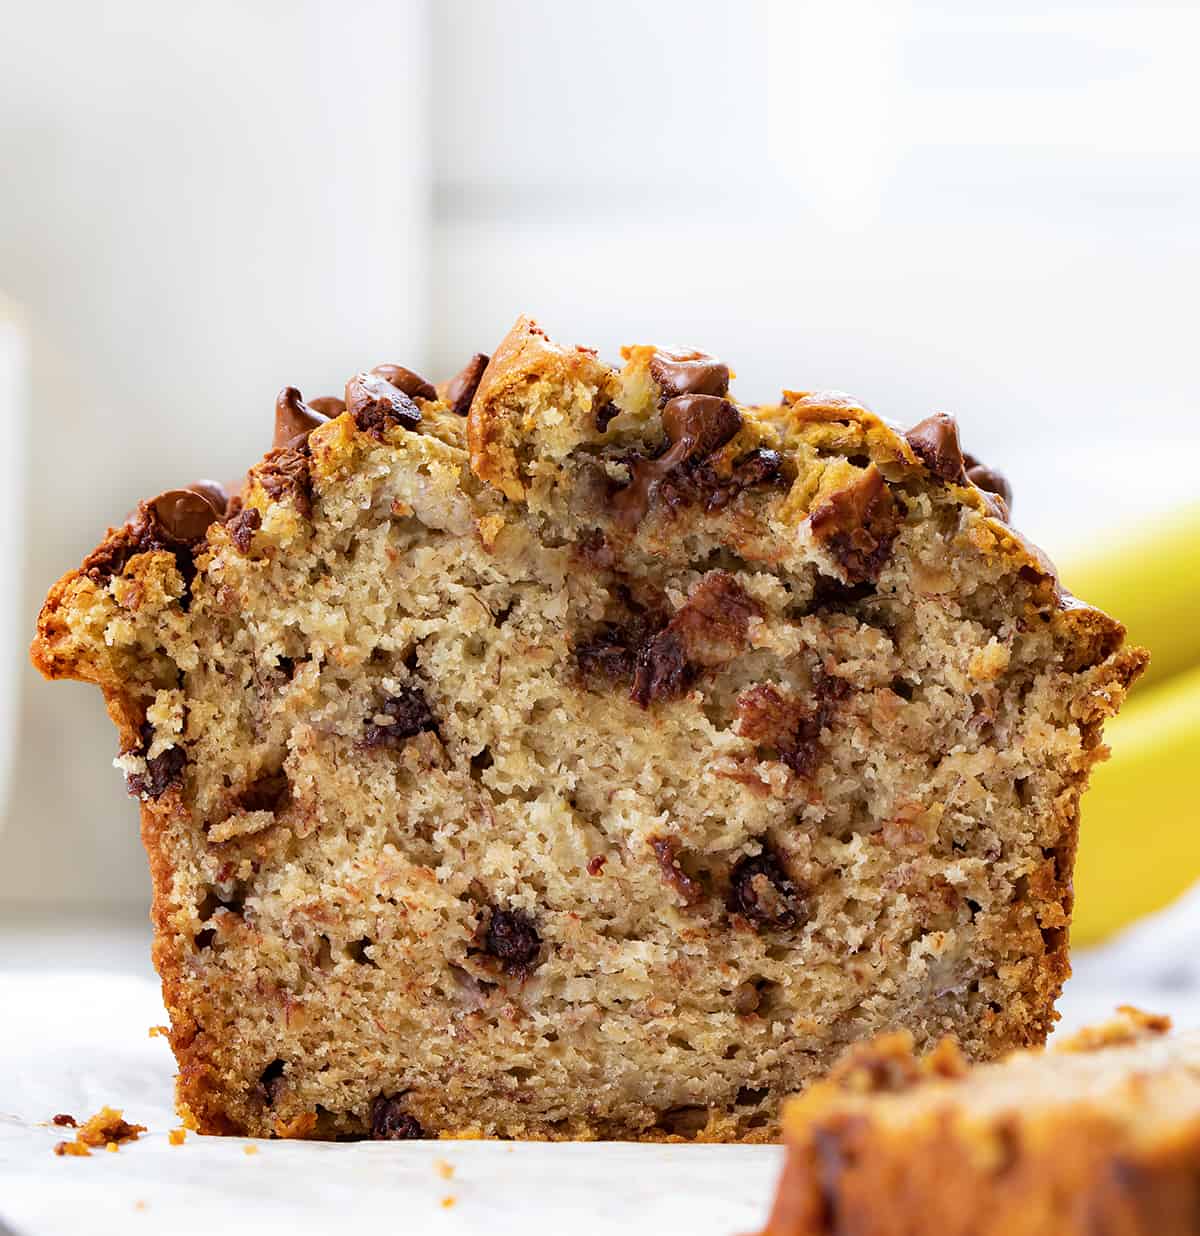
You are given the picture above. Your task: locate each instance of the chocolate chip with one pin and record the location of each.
(512, 938)
(666, 850)
(243, 526)
(63, 1120)
(935, 443)
(391, 1123)
(377, 405)
(688, 373)
(284, 473)
(412, 384)
(706, 422)
(595, 864)
(857, 525)
(989, 480)
(212, 492)
(663, 671)
(293, 417)
(761, 891)
(696, 427)
(768, 717)
(270, 1080)
(460, 390)
(609, 654)
(162, 770)
(183, 516)
(604, 414)
(328, 405)
(410, 713)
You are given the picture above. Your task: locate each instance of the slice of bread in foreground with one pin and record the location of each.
(1099, 1134)
(574, 751)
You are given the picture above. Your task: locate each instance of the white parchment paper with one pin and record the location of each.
(76, 1005)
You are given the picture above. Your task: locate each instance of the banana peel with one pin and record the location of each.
(1139, 845)
(1149, 580)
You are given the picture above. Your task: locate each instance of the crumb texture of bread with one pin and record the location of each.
(571, 751)
(1099, 1134)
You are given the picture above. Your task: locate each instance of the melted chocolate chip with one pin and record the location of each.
(663, 671)
(604, 415)
(857, 525)
(214, 493)
(762, 892)
(284, 473)
(391, 1123)
(183, 516)
(696, 426)
(461, 388)
(706, 422)
(688, 373)
(328, 405)
(412, 384)
(410, 713)
(243, 526)
(293, 418)
(666, 850)
(377, 405)
(935, 443)
(162, 770)
(512, 938)
(989, 480)
(768, 717)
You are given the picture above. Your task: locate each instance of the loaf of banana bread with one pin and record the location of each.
(1100, 1134)
(573, 751)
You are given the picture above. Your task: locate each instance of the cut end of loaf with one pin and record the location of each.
(574, 751)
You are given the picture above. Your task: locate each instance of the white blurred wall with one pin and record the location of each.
(201, 203)
(982, 208)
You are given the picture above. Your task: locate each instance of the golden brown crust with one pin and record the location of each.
(892, 1144)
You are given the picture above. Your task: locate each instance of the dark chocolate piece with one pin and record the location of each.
(857, 525)
(935, 443)
(411, 716)
(412, 384)
(293, 417)
(688, 373)
(461, 388)
(377, 405)
(391, 1123)
(762, 892)
(512, 938)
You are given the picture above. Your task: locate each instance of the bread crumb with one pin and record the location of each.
(63, 1119)
(139, 1204)
(158, 1032)
(107, 1128)
(250, 1148)
(447, 1202)
(175, 1136)
(444, 1169)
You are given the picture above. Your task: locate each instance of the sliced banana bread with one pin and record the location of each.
(572, 751)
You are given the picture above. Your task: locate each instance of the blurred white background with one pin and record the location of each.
(985, 208)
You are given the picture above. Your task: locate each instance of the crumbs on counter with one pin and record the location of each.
(107, 1128)
(159, 1032)
(175, 1136)
(448, 1201)
(443, 1168)
(63, 1120)
(250, 1148)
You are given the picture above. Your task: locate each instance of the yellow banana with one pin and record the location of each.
(1140, 837)
(1151, 582)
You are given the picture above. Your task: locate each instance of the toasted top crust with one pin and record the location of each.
(580, 430)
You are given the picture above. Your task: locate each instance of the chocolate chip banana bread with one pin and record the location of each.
(1098, 1135)
(572, 751)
